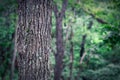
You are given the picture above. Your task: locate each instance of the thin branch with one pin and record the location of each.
(64, 7)
(96, 18)
(82, 58)
(62, 12)
(55, 9)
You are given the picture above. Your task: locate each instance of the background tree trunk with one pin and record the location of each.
(71, 54)
(33, 39)
(59, 40)
(82, 46)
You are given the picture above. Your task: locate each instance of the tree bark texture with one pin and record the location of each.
(33, 34)
(59, 40)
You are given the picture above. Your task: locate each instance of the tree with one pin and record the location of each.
(82, 46)
(71, 54)
(32, 39)
(59, 40)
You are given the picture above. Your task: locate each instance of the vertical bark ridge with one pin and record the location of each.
(33, 39)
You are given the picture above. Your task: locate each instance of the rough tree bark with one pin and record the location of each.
(33, 35)
(59, 40)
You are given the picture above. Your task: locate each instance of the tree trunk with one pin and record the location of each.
(82, 46)
(71, 54)
(59, 40)
(33, 35)
(60, 51)
(82, 49)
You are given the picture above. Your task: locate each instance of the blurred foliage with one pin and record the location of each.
(110, 72)
(102, 47)
(7, 28)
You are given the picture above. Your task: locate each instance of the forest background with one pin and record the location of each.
(91, 39)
